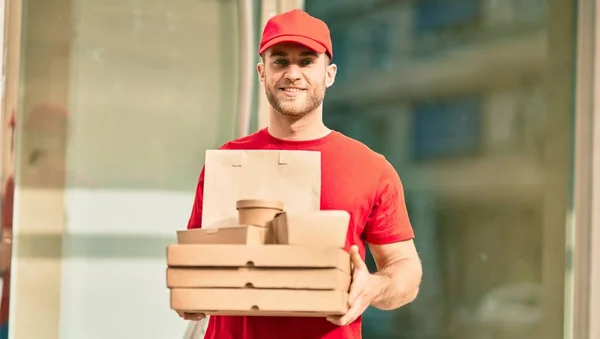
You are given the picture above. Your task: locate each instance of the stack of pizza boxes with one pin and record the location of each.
(265, 262)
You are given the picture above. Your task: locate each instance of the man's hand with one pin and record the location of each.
(191, 316)
(363, 290)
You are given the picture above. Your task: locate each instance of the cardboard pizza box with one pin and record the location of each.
(256, 277)
(260, 302)
(271, 256)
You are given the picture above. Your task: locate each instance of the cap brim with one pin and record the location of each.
(310, 43)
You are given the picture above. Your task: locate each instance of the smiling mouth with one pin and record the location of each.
(292, 89)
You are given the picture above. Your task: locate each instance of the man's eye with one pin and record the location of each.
(281, 62)
(307, 61)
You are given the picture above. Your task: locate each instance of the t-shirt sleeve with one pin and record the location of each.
(196, 216)
(388, 220)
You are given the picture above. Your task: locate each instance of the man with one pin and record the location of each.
(296, 70)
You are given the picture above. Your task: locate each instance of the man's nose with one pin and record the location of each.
(293, 73)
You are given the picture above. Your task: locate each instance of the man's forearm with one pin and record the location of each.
(397, 284)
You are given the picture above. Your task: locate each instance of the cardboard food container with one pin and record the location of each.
(209, 275)
(257, 212)
(318, 228)
(243, 235)
(260, 302)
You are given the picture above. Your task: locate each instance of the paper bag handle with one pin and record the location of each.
(239, 160)
(283, 158)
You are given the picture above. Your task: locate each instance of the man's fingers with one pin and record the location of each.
(196, 316)
(356, 289)
(335, 320)
(338, 320)
(191, 316)
(345, 319)
(358, 277)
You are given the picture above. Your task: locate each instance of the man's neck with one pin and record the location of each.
(309, 127)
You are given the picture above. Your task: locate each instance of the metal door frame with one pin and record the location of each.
(11, 68)
(585, 221)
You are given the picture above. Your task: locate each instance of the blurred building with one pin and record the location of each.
(485, 107)
(452, 92)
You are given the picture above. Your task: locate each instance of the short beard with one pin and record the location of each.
(314, 98)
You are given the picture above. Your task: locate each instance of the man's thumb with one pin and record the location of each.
(357, 260)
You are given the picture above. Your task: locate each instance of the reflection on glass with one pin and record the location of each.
(454, 94)
(120, 99)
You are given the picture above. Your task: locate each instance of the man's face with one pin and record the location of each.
(295, 78)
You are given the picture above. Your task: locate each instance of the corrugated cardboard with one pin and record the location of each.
(318, 228)
(241, 235)
(282, 256)
(256, 277)
(259, 301)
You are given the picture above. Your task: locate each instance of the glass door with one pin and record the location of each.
(119, 100)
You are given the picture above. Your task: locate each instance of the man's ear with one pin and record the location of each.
(260, 68)
(330, 73)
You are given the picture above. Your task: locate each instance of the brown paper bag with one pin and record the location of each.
(292, 177)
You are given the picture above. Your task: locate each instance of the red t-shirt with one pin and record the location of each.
(353, 178)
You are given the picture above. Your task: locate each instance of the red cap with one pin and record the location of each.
(297, 26)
